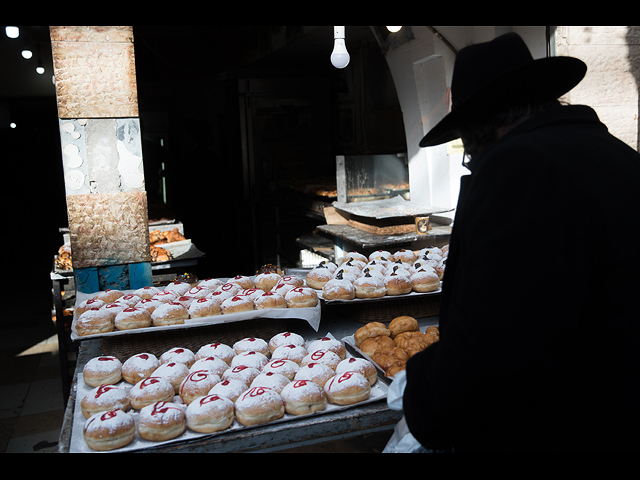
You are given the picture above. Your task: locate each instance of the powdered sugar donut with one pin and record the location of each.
(174, 372)
(370, 286)
(250, 359)
(425, 280)
(129, 300)
(94, 322)
(161, 421)
(360, 365)
(272, 380)
(338, 288)
(227, 288)
(185, 300)
(315, 372)
(259, 405)
(103, 399)
(251, 344)
(108, 431)
(211, 283)
(302, 397)
(165, 296)
(204, 307)
(213, 364)
(220, 350)
(354, 256)
(210, 413)
(92, 303)
(198, 292)
(328, 343)
(291, 280)
(179, 355)
(347, 389)
(295, 353)
(326, 357)
(251, 293)
(146, 293)
(398, 284)
(285, 338)
(282, 289)
(230, 389)
(168, 314)
(318, 277)
(301, 298)
(109, 296)
(105, 370)
(267, 280)
(139, 367)
(286, 368)
(150, 390)
(177, 287)
(270, 299)
(381, 255)
(197, 384)
(242, 373)
(244, 282)
(219, 296)
(237, 304)
(149, 305)
(132, 318)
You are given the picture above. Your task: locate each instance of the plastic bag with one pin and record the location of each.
(401, 441)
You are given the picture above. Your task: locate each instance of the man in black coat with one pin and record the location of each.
(539, 318)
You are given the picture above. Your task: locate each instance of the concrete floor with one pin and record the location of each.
(31, 403)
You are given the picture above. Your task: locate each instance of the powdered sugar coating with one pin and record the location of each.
(295, 353)
(179, 355)
(298, 390)
(251, 344)
(275, 381)
(213, 364)
(220, 350)
(102, 365)
(108, 422)
(251, 358)
(139, 367)
(230, 389)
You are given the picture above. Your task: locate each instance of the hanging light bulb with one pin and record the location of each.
(394, 29)
(12, 32)
(339, 57)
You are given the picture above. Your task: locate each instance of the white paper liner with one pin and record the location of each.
(311, 315)
(78, 445)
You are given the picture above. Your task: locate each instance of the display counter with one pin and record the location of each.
(309, 429)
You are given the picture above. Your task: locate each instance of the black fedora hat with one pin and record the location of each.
(491, 75)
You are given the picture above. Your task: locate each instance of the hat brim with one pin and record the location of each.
(545, 78)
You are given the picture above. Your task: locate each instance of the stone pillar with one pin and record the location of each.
(97, 98)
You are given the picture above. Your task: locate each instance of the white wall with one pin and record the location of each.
(422, 70)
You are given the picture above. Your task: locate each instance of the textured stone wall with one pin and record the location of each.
(100, 135)
(612, 54)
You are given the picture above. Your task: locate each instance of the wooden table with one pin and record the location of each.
(360, 420)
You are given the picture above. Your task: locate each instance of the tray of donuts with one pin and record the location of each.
(380, 276)
(390, 346)
(181, 395)
(183, 305)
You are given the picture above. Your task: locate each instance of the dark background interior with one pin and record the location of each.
(303, 112)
